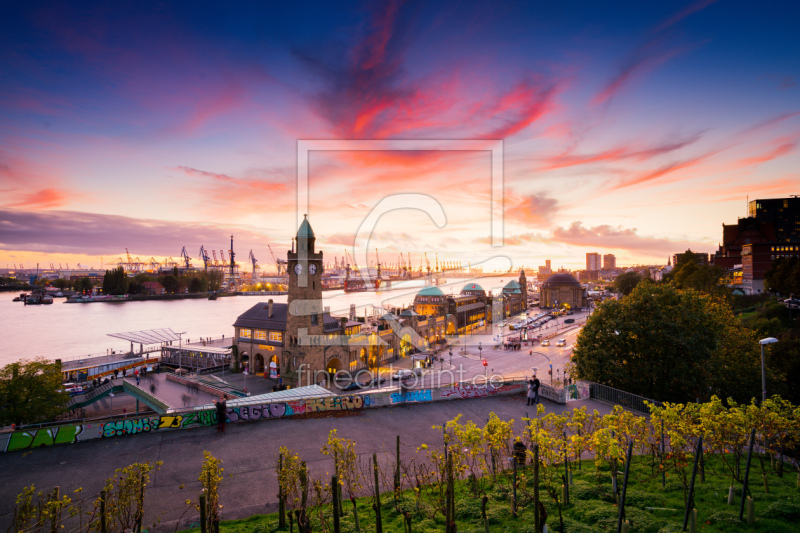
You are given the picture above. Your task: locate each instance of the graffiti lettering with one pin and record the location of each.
(477, 391)
(130, 427)
(170, 421)
(337, 403)
(412, 396)
(43, 437)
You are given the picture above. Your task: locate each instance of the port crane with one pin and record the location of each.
(204, 257)
(185, 257)
(253, 260)
(428, 263)
(280, 264)
(214, 253)
(378, 261)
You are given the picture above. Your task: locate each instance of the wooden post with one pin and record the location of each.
(203, 514)
(536, 523)
(397, 465)
(624, 488)
(689, 500)
(336, 504)
(747, 473)
(514, 495)
(378, 522)
(663, 471)
(56, 512)
(281, 502)
(751, 511)
(103, 528)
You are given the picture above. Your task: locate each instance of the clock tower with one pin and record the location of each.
(305, 317)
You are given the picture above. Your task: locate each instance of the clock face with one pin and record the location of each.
(312, 269)
(298, 269)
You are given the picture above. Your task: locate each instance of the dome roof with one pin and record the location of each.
(472, 287)
(408, 312)
(561, 279)
(431, 291)
(305, 231)
(513, 284)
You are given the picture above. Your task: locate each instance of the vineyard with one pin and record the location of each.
(684, 467)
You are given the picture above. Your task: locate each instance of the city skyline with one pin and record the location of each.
(627, 129)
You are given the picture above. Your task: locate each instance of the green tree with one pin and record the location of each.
(29, 392)
(215, 278)
(83, 285)
(169, 282)
(669, 345)
(626, 282)
(783, 276)
(62, 283)
(116, 281)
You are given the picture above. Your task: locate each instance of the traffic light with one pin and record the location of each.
(485, 363)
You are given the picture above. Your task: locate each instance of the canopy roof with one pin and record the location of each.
(148, 336)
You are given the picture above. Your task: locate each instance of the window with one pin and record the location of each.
(275, 336)
(245, 333)
(260, 334)
(313, 320)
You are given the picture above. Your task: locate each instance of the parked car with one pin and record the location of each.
(569, 321)
(405, 373)
(561, 342)
(375, 382)
(545, 342)
(353, 386)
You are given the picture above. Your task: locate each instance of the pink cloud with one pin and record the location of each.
(534, 210)
(42, 199)
(609, 237)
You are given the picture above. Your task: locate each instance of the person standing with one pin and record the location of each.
(536, 385)
(531, 393)
(222, 413)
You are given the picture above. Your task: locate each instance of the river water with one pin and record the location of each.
(68, 331)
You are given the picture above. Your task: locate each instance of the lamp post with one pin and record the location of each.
(451, 356)
(762, 342)
(111, 395)
(180, 352)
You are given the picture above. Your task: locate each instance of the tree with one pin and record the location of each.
(61, 283)
(169, 282)
(626, 282)
(115, 281)
(783, 276)
(669, 345)
(29, 392)
(83, 285)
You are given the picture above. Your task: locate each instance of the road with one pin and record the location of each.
(248, 451)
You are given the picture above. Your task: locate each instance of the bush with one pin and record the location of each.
(594, 511)
(783, 510)
(592, 493)
(641, 499)
(724, 517)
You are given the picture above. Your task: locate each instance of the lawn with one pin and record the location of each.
(592, 506)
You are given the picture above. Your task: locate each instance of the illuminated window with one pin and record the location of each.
(276, 336)
(245, 333)
(260, 335)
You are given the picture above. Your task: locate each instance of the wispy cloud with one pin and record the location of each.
(42, 199)
(609, 237)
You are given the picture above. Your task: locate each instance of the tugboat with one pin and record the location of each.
(47, 299)
(212, 296)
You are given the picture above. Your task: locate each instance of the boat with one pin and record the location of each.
(358, 285)
(33, 299)
(212, 296)
(17, 299)
(47, 299)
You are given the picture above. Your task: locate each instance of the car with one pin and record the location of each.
(353, 386)
(561, 342)
(375, 382)
(569, 321)
(72, 389)
(405, 373)
(545, 342)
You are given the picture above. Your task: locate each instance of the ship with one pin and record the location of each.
(358, 285)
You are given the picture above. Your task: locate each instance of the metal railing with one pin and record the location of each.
(619, 397)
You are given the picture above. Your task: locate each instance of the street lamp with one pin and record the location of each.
(451, 356)
(180, 352)
(762, 342)
(111, 395)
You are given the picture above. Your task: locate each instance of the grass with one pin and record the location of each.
(592, 507)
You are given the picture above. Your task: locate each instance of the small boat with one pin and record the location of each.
(47, 299)
(212, 296)
(17, 299)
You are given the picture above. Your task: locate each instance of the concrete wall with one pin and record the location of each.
(71, 433)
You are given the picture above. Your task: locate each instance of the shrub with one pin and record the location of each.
(784, 510)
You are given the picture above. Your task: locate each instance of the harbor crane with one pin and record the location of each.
(204, 257)
(280, 264)
(232, 267)
(214, 253)
(378, 261)
(253, 260)
(185, 256)
(428, 263)
(222, 257)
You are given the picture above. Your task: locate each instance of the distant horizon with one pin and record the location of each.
(631, 128)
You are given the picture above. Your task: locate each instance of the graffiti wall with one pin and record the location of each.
(69, 434)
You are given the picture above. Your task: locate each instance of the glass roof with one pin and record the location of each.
(148, 336)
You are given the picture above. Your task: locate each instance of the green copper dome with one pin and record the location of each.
(305, 231)
(430, 291)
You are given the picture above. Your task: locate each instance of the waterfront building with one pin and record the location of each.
(563, 290)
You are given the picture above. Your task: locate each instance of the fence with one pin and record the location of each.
(625, 399)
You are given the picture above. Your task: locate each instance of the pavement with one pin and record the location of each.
(248, 452)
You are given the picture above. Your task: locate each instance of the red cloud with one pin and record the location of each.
(609, 237)
(42, 199)
(534, 210)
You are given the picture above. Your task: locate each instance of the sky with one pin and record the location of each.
(632, 128)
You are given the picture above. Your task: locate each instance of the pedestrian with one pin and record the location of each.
(115, 373)
(222, 413)
(536, 385)
(531, 394)
(137, 380)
